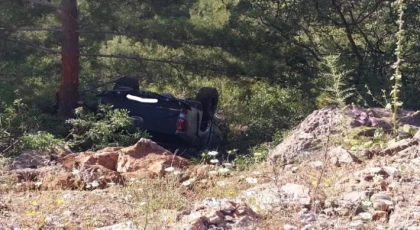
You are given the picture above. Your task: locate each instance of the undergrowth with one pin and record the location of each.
(22, 128)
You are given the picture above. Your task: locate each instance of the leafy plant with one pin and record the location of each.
(107, 127)
(42, 140)
(396, 103)
(12, 126)
(245, 162)
(335, 93)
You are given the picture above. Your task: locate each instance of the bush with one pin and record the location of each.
(22, 126)
(43, 141)
(12, 120)
(107, 127)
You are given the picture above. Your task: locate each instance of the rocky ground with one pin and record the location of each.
(336, 170)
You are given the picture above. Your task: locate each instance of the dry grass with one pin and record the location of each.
(154, 203)
(142, 201)
(4, 162)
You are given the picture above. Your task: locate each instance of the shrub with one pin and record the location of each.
(107, 127)
(42, 140)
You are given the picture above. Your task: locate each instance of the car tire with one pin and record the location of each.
(127, 82)
(209, 98)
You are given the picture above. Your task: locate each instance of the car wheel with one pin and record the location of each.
(209, 98)
(127, 82)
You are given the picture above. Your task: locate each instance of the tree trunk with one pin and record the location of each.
(68, 92)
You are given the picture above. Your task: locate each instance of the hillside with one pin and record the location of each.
(327, 185)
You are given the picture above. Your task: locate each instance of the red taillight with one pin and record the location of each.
(181, 124)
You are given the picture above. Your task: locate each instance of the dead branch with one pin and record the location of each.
(42, 3)
(130, 57)
(127, 34)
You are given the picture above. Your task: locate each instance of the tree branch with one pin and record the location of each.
(59, 29)
(269, 24)
(348, 32)
(205, 66)
(164, 61)
(130, 34)
(360, 18)
(42, 3)
(364, 35)
(45, 49)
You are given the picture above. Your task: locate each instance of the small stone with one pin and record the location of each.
(394, 172)
(67, 213)
(340, 155)
(307, 227)
(369, 173)
(296, 193)
(417, 136)
(316, 164)
(226, 207)
(215, 217)
(380, 196)
(67, 196)
(357, 224)
(288, 167)
(198, 224)
(396, 147)
(410, 153)
(342, 211)
(383, 205)
(240, 211)
(351, 199)
(303, 211)
(289, 227)
(380, 215)
(328, 211)
(229, 219)
(48, 219)
(416, 161)
(417, 200)
(121, 226)
(392, 186)
(366, 153)
(306, 218)
(366, 204)
(365, 216)
(380, 227)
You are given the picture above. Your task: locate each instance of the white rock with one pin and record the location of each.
(296, 193)
(350, 199)
(316, 164)
(289, 227)
(365, 216)
(416, 161)
(380, 196)
(121, 226)
(340, 155)
(394, 172)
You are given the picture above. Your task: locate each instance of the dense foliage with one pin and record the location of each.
(270, 60)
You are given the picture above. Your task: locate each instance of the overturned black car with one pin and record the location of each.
(172, 122)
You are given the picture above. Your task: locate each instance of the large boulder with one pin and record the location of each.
(307, 137)
(107, 166)
(307, 134)
(146, 156)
